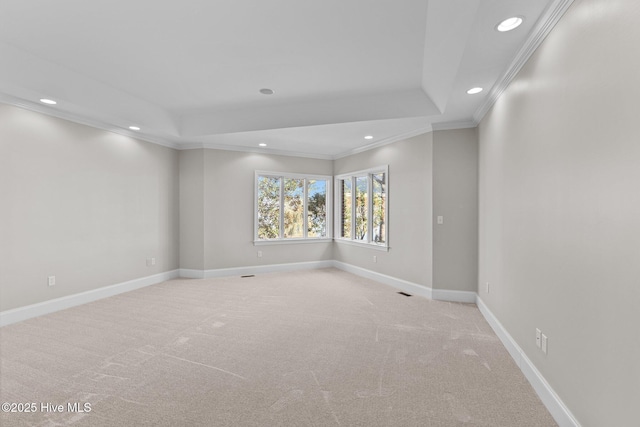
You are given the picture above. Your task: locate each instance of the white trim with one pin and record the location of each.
(290, 175)
(454, 296)
(8, 317)
(454, 125)
(561, 414)
(543, 27)
(189, 273)
(87, 121)
(337, 203)
(403, 285)
(225, 147)
(385, 141)
(291, 241)
(375, 246)
(262, 269)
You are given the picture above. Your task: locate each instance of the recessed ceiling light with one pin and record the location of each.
(48, 101)
(267, 91)
(509, 24)
(262, 144)
(134, 128)
(474, 90)
(368, 137)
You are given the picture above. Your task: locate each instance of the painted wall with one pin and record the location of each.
(219, 230)
(455, 198)
(192, 209)
(409, 210)
(82, 204)
(560, 210)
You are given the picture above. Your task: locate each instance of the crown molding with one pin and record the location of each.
(385, 141)
(467, 124)
(213, 146)
(543, 27)
(76, 118)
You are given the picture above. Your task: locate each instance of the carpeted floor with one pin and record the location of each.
(309, 348)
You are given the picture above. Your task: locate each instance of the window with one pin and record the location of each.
(291, 207)
(361, 202)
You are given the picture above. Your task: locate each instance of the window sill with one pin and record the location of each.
(290, 241)
(373, 246)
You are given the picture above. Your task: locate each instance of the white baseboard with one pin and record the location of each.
(254, 269)
(19, 314)
(551, 400)
(403, 285)
(189, 273)
(454, 296)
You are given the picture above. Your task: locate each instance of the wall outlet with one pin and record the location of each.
(440, 219)
(52, 280)
(153, 261)
(375, 258)
(259, 254)
(544, 344)
(538, 333)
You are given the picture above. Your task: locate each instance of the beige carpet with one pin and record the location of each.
(310, 348)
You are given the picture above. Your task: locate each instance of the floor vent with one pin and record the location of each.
(248, 275)
(405, 294)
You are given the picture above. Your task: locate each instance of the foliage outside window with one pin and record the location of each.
(291, 207)
(361, 214)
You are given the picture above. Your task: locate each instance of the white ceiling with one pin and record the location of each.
(189, 72)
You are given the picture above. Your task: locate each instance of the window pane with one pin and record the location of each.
(361, 208)
(268, 207)
(317, 209)
(379, 214)
(345, 217)
(293, 208)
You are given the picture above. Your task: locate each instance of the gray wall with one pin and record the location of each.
(192, 209)
(217, 206)
(455, 198)
(409, 209)
(82, 204)
(560, 210)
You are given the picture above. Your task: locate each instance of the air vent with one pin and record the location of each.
(248, 275)
(405, 294)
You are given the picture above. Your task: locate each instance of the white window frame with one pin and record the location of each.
(338, 204)
(289, 240)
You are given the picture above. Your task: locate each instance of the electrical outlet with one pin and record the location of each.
(153, 261)
(52, 280)
(375, 258)
(259, 254)
(544, 343)
(538, 333)
(440, 219)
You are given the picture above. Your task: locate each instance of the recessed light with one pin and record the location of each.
(368, 137)
(474, 90)
(48, 101)
(134, 128)
(509, 24)
(267, 91)
(262, 144)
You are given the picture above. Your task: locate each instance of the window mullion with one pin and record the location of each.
(353, 208)
(281, 235)
(369, 207)
(305, 195)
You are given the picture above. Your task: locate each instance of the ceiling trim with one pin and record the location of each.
(543, 27)
(213, 146)
(76, 118)
(385, 141)
(454, 125)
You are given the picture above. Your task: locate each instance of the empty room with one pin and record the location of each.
(320, 213)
